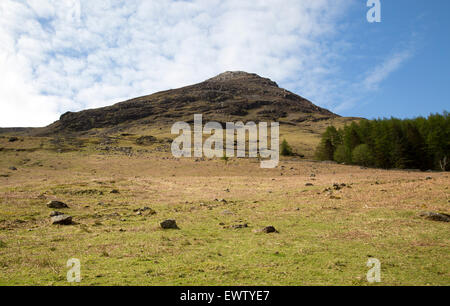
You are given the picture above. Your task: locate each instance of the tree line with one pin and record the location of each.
(420, 143)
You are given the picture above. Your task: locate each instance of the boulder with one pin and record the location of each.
(169, 224)
(62, 220)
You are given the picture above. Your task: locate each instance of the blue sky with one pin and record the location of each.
(422, 83)
(69, 55)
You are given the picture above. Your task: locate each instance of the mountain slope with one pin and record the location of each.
(230, 96)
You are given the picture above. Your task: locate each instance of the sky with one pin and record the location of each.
(69, 55)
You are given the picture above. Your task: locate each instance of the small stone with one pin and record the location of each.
(61, 220)
(56, 213)
(309, 184)
(146, 210)
(57, 205)
(13, 139)
(12, 168)
(115, 191)
(429, 178)
(169, 224)
(269, 230)
(239, 226)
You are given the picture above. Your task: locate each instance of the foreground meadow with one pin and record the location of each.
(327, 232)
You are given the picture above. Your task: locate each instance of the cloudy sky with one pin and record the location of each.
(68, 55)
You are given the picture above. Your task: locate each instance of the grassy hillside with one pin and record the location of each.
(325, 235)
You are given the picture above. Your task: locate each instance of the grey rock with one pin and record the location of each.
(62, 220)
(169, 224)
(56, 213)
(57, 205)
(12, 168)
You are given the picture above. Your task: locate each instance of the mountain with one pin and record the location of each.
(228, 97)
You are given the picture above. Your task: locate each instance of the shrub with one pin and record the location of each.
(286, 149)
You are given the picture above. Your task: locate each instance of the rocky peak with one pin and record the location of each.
(241, 76)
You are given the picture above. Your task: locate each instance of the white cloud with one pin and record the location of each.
(52, 61)
(380, 73)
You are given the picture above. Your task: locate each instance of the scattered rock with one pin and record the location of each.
(12, 168)
(13, 139)
(115, 191)
(57, 205)
(312, 175)
(435, 216)
(428, 178)
(169, 224)
(62, 220)
(309, 184)
(56, 213)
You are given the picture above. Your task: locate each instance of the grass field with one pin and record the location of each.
(326, 236)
